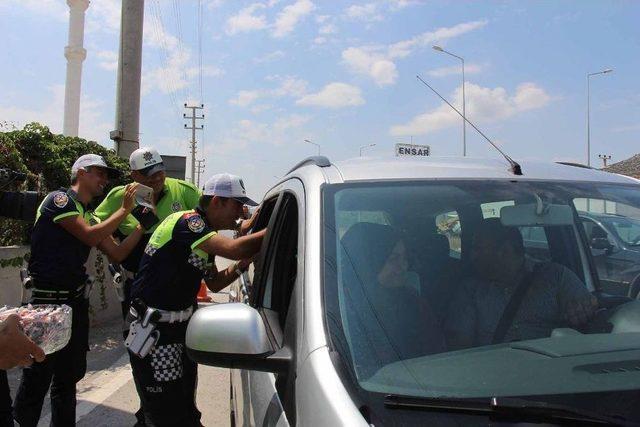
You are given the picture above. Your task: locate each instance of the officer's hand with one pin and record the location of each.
(580, 310)
(129, 198)
(16, 349)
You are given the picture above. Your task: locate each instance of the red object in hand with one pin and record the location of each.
(202, 293)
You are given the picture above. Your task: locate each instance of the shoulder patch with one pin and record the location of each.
(195, 223)
(60, 199)
(176, 206)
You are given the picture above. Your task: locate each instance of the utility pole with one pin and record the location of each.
(193, 117)
(604, 159)
(127, 131)
(200, 167)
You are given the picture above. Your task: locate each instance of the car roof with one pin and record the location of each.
(401, 168)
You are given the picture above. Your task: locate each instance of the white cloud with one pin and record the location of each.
(247, 132)
(289, 86)
(245, 98)
(334, 95)
(377, 62)
(214, 4)
(406, 47)
(108, 59)
(482, 105)
(454, 70)
(401, 4)
(177, 69)
(365, 12)
(55, 9)
(368, 61)
(319, 40)
(290, 16)
(272, 56)
(246, 20)
(93, 125)
(321, 19)
(328, 29)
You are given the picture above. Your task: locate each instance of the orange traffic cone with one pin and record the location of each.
(202, 293)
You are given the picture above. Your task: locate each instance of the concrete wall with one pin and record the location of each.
(176, 166)
(105, 308)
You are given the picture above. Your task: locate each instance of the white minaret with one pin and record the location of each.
(75, 55)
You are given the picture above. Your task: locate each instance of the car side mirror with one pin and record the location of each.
(601, 243)
(234, 336)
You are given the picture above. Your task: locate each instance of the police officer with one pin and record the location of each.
(170, 195)
(177, 257)
(60, 243)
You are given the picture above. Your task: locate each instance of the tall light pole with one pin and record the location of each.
(317, 145)
(608, 70)
(366, 146)
(464, 112)
(604, 158)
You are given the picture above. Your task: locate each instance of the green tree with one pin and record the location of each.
(46, 158)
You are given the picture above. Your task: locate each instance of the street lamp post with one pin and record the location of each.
(464, 113)
(608, 70)
(317, 145)
(366, 146)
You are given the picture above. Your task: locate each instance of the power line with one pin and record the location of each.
(178, 18)
(200, 48)
(160, 34)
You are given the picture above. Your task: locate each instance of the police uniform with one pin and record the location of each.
(176, 196)
(168, 280)
(57, 268)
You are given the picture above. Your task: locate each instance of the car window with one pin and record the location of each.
(280, 265)
(448, 225)
(534, 243)
(612, 230)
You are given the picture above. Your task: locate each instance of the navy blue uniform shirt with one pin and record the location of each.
(57, 257)
(172, 266)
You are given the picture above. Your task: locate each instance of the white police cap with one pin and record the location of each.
(229, 186)
(146, 160)
(87, 160)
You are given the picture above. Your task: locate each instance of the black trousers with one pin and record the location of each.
(6, 418)
(166, 380)
(60, 370)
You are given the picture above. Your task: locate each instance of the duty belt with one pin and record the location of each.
(56, 295)
(168, 316)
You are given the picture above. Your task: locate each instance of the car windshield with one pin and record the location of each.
(473, 289)
(626, 229)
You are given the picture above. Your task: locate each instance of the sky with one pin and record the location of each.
(341, 74)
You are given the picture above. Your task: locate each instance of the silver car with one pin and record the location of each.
(428, 292)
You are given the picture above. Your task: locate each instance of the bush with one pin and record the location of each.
(46, 158)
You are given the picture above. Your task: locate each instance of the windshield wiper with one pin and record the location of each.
(507, 408)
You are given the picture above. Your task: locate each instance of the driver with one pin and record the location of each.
(553, 295)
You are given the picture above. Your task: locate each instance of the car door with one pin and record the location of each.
(268, 399)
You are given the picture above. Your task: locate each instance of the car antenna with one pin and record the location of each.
(515, 167)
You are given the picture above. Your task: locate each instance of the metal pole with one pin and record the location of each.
(464, 113)
(127, 131)
(588, 120)
(317, 145)
(608, 70)
(193, 128)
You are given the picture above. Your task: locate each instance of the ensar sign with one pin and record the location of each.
(412, 150)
